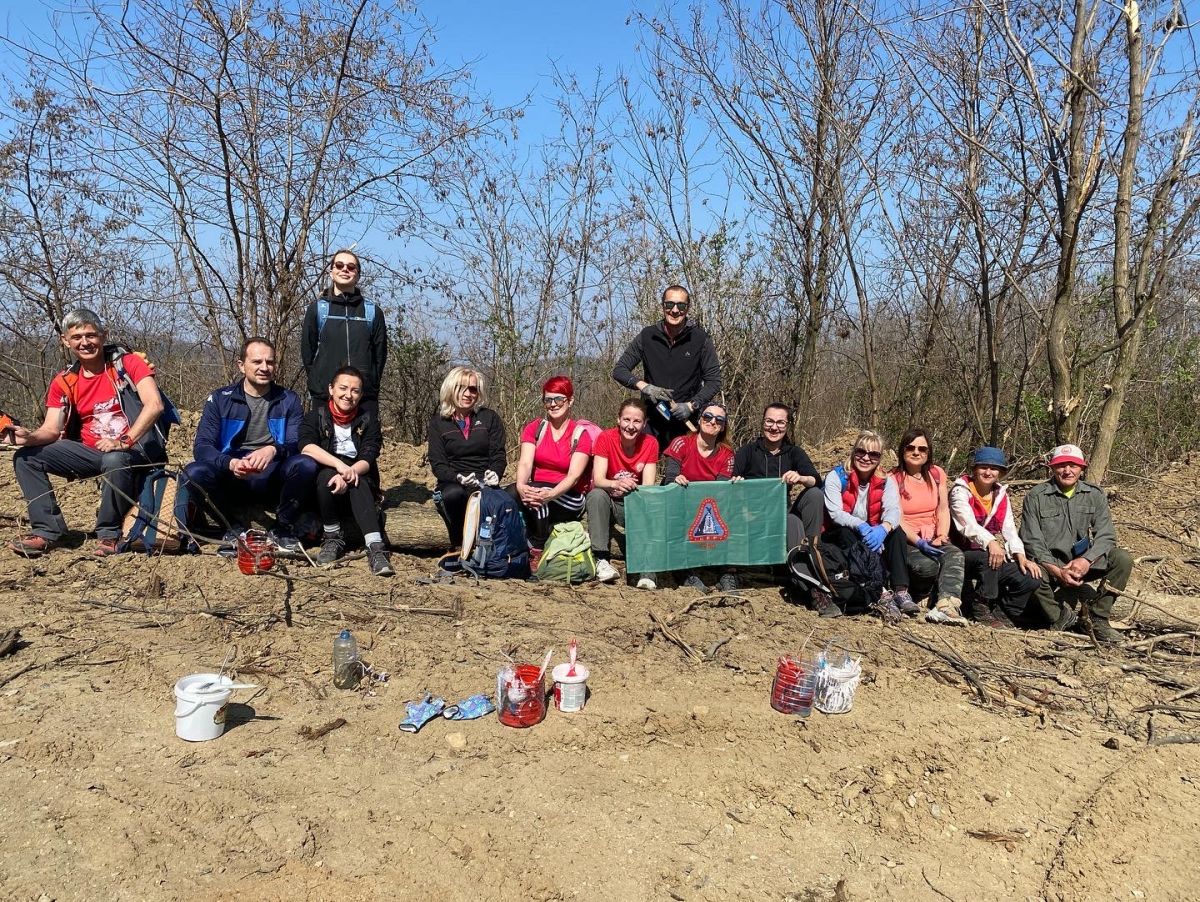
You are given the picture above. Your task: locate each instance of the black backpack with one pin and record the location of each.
(854, 569)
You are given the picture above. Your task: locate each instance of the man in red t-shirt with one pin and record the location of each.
(88, 432)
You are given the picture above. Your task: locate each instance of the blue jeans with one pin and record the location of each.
(287, 486)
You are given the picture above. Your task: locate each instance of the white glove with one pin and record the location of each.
(491, 477)
(470, 480)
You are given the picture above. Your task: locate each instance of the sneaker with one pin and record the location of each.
(886, 608)
(32, 546)
(105, 547)
(982, 613)
(648, 581)
(229, 543)
(377, 559)
(949, 616)
(285, 541)
(332, 548)
(1067, 618)
(694, 582)
(904, 601)
(728, 583)
(824, 604)
(606, 572)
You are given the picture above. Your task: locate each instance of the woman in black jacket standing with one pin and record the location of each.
(466, 446)
(345, 439)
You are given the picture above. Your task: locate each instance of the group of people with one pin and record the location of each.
(952, 541)
(107, 418)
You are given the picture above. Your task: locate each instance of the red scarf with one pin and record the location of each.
(339, 418)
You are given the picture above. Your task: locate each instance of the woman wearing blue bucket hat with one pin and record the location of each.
(984, 527)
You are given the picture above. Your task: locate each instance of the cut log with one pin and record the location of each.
(418, 527)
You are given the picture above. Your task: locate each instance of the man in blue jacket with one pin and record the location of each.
(246, 445)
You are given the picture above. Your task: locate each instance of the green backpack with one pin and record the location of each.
(567, 557)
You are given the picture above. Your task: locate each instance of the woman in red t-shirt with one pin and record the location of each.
(554, 456)
(623, 459)
(702, 456)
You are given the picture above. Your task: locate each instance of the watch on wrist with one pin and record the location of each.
(125, 441)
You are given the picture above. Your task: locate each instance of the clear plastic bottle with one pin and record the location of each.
(347, 669)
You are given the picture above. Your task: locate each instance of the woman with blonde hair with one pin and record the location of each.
(466, 446)
(863, 505)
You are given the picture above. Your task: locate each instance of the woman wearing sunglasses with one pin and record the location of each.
(555, 451)
(865, 505)
(702, 456)
(342, 328)
(466, 446)
(925, 522)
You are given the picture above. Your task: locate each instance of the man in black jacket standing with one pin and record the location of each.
(680, 369)
(342, 328)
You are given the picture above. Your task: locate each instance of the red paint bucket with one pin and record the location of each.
(792, 689)
(522, 696)
(255, 554)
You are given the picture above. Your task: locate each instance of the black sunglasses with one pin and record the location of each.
(676, 305)
(713, 418)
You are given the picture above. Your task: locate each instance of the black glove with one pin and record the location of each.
(682, 411)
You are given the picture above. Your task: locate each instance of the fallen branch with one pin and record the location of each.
(1176, 739)
(968, 672)
(311, 733)
(671, 636)
(51, 663)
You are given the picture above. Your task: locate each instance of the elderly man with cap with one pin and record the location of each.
(986, 531)
(1067, 528)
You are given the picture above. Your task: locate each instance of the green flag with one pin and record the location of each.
(706, 524)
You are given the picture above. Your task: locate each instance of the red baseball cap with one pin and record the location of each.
(1068, 454)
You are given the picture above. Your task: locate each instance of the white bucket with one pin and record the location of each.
(570, 692)
(200, 714)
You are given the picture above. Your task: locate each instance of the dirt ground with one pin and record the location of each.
(677, 781)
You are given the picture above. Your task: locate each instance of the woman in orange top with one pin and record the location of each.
(925, 519)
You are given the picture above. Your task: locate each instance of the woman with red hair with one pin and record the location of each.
(555, 451)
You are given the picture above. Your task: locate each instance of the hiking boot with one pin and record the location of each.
(285, 541)
(694, 582)
(1001, 620)
(904, 601)
(606, 572)
(106, 547)
(948, 610)
(332, 548)
(728, 583)
(886, 608)
(824, 604)
(648, 581)
(1066, 619)
(32, 546)
(1102, 629)
(378, 561)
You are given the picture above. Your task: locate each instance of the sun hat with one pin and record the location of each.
(987, 456)
(1067, 454)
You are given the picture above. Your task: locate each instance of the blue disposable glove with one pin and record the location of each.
(682, 411)
(470, 708)
(875, 537)
(864, 530)
(420, 713)
(929, 550)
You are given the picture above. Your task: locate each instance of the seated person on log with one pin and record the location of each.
(552, 469)
(925, 522)
(702, 456)
(466, 446)
(863, 505)
(246, 446)
(773, 456)
(624, 458)
(101, 420)
(986, 531)
(1067, 528)
(344, 437)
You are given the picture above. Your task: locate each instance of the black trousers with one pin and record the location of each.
(453, 508)
(358, 501)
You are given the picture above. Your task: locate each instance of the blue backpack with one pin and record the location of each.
(497, 545)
